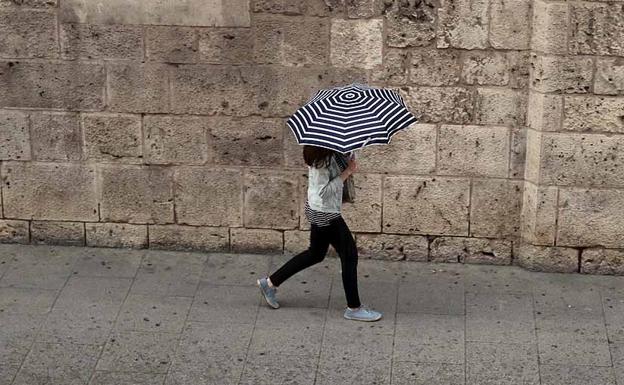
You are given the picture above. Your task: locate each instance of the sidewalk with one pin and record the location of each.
(72, 315)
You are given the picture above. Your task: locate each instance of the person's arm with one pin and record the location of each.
(331, 187)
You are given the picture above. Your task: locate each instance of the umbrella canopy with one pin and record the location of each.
(350, 117)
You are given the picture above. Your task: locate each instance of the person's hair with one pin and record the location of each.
(315, 156)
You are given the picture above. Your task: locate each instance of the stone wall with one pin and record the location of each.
(161, 124)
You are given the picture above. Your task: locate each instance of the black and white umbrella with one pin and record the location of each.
(350, 117)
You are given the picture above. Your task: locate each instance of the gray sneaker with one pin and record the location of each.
(268, 292)
(363, 313)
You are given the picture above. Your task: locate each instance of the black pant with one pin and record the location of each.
(339, 236)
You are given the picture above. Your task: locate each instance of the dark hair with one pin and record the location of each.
(315, 156)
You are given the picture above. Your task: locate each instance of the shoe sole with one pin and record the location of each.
(264, 296)
(364, 320)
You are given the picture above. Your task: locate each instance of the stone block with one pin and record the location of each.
(28, 33)
(217, 13)
(495, 208)
(271, 199)
(136, 194)
(519, 69)
(594, 114)
(364, 215)
(590, 217)
(14, 231)
(550, 27)
(170, 44)
(473, 150)
(471, 250)
(226, 45)
(37, 190)
(485, 68)
(538, 216)
(293, 151)
(209, 196)
(415, 205)
(434, 67)
(394, 67)
(411, 151)
(510, 24)
(177, 139)
(249, 141)
(256, 241)
(294, 41)
(88, 41)
(602, 261)
(364, 8)
(189, 238)
(533, 155)
(500, 106)
(356, 43)
(596, 29)
(609, 78)
(296, 241)
(393, 247)
(410, 23)
(441, 104)
(545, 111)
(122, 235)
(113, 138)
(567, 74)
(134, 87)
(29, 3)
(57, 233)
(547, 258)
(56, 136)
(14, 135)
(68, 86)
(299, 7)
(463, 24)
(517, 154)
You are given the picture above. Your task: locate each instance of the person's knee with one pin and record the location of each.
(317, 255)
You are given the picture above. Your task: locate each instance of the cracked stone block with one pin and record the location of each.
(356, 43)
(546, 258)
(500, 106)
(567, 74)
(410, 23)
(596, 29)
(550, 27)
(134, 87)
(28, 33)
(440, 104)
(226, 45)
(136, 194)
(189, 238)
(88, 41)
(463, 24)
(257, 241)
(123, 235)
(393, 247)
(594, 113)
(15, 134)
(495, 208)
(56, 136)
(602, 261)
(609, 78)
(510, 24)
(271, 199)
(485, 68)
(57, 233)
(113, 138)
(176, 139)
(169, 44)
(471, 250)
(538, 215)
(545, 111)
(365, 213)
(434, 67)
(14, 231)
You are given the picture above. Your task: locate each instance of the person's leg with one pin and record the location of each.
(319, 243)
(343, 242)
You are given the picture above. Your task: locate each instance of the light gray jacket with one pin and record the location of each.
(325, 188)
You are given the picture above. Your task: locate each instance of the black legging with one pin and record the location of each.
(339, 236)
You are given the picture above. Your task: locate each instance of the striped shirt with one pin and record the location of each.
(320, 218)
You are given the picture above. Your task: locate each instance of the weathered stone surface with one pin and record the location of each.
(271, 199)
(215, 13)
(116, 235)
(533, 155)
(394, 68)
(440, 104)
(363, 8)
(176, 139)
(547, 259)
(101, 41)
(296, 241)
(136, 194)
(473, 150)
(14, 135)
(28, 33)
(295, 41)
(29, 3)
(538, 218)
(256, 241)
(510, 24)
(470, 250)
(138, 87)
(609, 78)
(393, 247)
(591, 218)
(594, 113)
(463, 24)
(113, 138)
(299, 7)
(176, 237)
(248, 141)
(582, 160)
(171, 44)
(410, 23)
(545, 111)
(566, 74)
(414, 205)
(14, 231)
(517, 154)
(485, 68)
(602, 261)
(411, 151)
(495, 208)
(550, 27)
(56, 136)
(356, 43)
(57, 233)
(209, 196)
(226, 45)
(596, 29)
(293, 151)
(70, 86)
(500, 106)
(519, 68)
(433, 67)
(364, 215)
(41, 191)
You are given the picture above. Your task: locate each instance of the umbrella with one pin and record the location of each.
(350, 117)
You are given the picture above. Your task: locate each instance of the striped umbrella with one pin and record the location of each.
(350, 117)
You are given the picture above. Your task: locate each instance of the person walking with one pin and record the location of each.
(327, 171)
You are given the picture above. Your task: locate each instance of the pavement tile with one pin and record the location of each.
(117, 378)
(138, 352)
(169, 273)
(41, 267)
(108, 262)
(25, 300)
(501, 364)
(576, 375)
(613, 306)
(500, 318)
(432, 293)
(280, 369)
(426, 373)
(156, 314)
(617, 356)
(229, 304)
(497, 279)
(235, 269)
